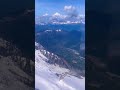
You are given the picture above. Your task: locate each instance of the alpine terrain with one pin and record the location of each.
(53, 73)
(60, 45)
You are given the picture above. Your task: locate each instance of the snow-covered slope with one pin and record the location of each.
(52, 77)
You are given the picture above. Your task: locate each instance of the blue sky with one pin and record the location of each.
(52, 6)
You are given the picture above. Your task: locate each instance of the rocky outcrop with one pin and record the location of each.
(16, 71)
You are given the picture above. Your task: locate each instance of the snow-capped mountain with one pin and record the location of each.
(59, 19)
(51, 74)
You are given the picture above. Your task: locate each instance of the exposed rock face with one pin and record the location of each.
(53, 59)
(16, 71)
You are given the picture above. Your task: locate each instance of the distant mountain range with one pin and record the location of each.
(65, 27)
(59, 19)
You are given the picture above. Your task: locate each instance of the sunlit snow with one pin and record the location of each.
(47, 76)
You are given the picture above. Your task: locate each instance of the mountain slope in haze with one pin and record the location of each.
(18, 28)
(102, 50)
(16, 71)
(52, 76)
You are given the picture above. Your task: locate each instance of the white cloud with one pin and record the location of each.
(56, 14)
(71, 11)
(71, 16)
(69, 8)
(45, 14)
